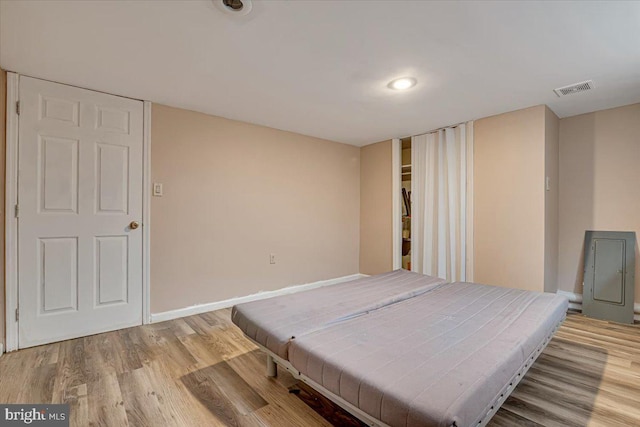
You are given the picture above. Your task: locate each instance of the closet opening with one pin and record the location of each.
(405, 144)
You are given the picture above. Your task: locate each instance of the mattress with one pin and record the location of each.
(275, 321)
(439, 359)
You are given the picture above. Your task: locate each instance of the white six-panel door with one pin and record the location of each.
(79, 195)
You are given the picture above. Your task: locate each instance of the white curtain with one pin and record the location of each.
(441, 163)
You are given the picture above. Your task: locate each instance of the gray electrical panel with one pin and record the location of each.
(609, 269)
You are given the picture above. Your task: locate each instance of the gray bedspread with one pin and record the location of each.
(441, 358)
(273, 322)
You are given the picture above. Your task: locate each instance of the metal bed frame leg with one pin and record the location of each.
(272, 368)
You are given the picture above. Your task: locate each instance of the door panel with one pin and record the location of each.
(112, 270)
(58, 262)
(58, 183)
(79, 188)
(608, 283)
(112, 178)
(60, 110)
(113, 120)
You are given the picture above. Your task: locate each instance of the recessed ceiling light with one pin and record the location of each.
(233, 4)
(234, 7)
(402, 83)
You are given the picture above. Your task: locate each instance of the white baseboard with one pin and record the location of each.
(203, 308)
(575, 303)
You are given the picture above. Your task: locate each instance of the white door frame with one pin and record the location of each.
(396, 196)
(11, 222)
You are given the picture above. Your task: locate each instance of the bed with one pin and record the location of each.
(446, 356)
(273, 322)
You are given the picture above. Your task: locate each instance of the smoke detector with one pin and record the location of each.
(234, 7)
(574, 88)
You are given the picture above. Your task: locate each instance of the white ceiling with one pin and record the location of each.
(321, 67)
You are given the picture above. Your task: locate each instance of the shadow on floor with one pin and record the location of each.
(229, 398)
(566, 375)
(325, 407)
(224, 393)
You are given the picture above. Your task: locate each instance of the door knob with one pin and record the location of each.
(134, 225)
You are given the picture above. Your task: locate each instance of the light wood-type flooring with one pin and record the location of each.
(201, 371)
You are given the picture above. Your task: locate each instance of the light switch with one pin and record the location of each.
(157, 189)
(548, 184)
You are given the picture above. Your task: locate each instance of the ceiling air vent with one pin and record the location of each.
(574, 88)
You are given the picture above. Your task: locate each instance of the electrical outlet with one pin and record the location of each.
(157, 189)
(272, 258)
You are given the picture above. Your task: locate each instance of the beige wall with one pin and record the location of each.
(599, 184)
(376, 241)
(3, 105)
(551, 206)
(236, 192)
(509, 200)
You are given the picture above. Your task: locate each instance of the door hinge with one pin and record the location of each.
(18, 107)
(17, 314)
(17, 212)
